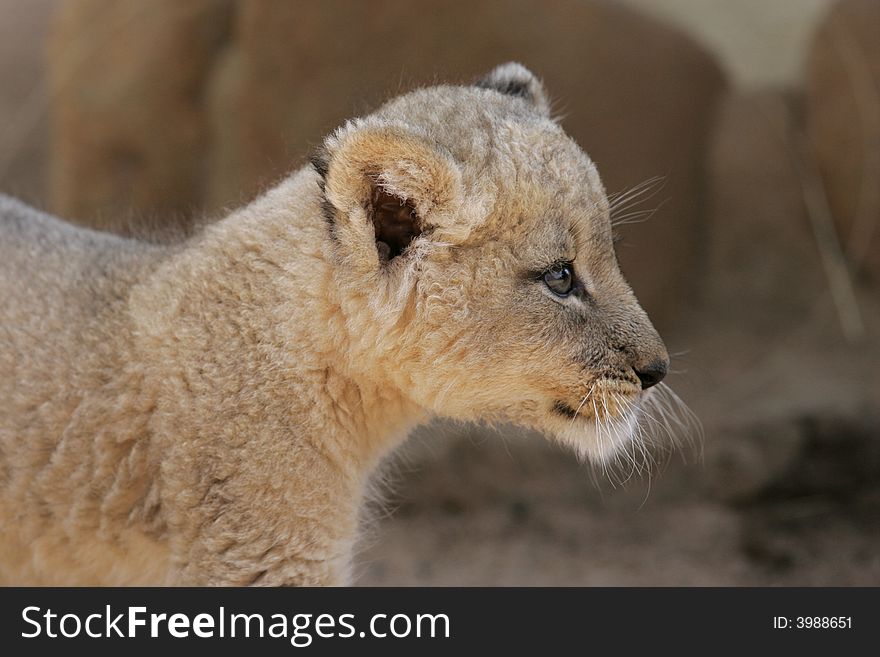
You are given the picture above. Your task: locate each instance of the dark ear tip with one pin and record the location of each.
(514, 79)
(320, 162)
(509, 86)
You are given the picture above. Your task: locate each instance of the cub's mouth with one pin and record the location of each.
(563, 409)
(605, 401)
(614, 424)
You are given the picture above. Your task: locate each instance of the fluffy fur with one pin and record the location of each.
(210, 412)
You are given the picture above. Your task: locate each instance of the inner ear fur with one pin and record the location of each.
(395, 222)
(387, 186)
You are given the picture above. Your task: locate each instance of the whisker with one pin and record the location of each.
(627, 197)
(635, 216)
(599, 439)
(581, 405)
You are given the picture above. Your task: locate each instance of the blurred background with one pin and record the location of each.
(757, 253)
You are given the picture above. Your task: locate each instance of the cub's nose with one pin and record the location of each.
(652, 374)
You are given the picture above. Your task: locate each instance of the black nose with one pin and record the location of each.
(652, 374)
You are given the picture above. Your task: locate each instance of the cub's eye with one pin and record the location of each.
(560, 279)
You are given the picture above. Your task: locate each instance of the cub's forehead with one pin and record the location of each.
(513, 159)
(479, 129)
(490, 134)
(437, 109)
(543, 153)
(540, 175)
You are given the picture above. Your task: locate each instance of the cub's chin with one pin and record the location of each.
(620, 426)
(600, 437)
(608, 424)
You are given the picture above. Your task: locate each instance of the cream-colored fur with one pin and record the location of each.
(210, 412)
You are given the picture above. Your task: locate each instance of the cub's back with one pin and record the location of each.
(48, 264)
(63, 292)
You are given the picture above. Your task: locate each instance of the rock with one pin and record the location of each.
(24, 141)
(127, 81)
(843, 122)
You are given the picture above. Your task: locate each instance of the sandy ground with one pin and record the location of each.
(527, 515)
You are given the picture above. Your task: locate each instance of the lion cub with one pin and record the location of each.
(210, 412)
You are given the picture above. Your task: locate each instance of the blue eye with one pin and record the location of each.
(560, 280)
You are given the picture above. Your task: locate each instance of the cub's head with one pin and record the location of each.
(472, 245)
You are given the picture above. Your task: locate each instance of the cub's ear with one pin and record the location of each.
(385, 186)
(516, 80)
